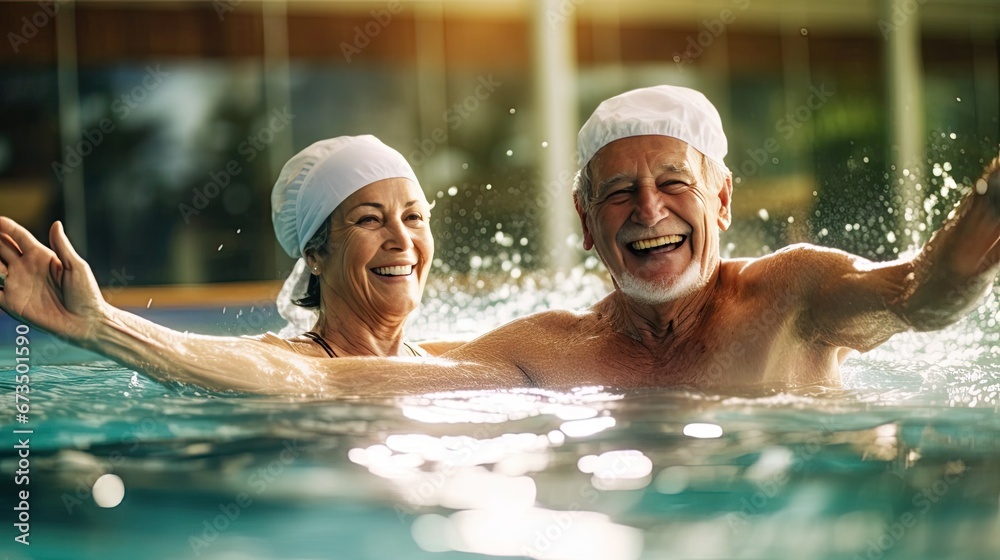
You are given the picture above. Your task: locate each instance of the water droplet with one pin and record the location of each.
(510, 153)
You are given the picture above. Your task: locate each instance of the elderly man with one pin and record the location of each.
(653, 196)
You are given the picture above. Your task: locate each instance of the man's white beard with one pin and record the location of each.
(655, 292)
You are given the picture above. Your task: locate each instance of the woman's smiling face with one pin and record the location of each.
(380, 250)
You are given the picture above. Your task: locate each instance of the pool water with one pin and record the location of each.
(902, 462)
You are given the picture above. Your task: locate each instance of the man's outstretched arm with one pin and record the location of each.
(851, 302)
(55, 290)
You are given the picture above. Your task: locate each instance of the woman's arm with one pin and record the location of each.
(55, 290)
(438, 347)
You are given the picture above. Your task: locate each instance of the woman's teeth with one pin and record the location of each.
(394, 270)
(657, 242)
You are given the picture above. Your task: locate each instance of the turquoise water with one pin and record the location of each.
(903, 462)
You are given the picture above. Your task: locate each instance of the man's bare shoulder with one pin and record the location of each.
(545, 322)
(798, 265)
(535, 331)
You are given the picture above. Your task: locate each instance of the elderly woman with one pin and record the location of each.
(351, 208)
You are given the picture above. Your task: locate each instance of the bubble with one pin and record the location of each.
(510, 153)
(488, 186)
(865, 159)
(512, 111)
(220, 248)
(953, 135)
(452, 190)
(763, 214)
(108, 491)
(465, 166)
(791, 219)
(804, 31)
(545, 144)
(774, 161)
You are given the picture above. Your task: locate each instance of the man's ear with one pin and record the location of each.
(726, 203)
(588, 239)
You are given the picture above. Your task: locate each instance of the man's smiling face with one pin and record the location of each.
(653, 219)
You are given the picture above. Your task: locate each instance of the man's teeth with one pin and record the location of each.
(394, 270)
(658, 242)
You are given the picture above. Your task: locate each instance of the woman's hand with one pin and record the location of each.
(52, 289)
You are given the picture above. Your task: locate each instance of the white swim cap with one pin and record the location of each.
(316, 180)
(674, 111)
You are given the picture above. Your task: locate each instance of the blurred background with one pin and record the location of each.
(156, 129)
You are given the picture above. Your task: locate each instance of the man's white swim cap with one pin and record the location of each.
(674, 111)
(316, 180)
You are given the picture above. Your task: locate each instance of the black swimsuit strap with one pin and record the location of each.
(319, 340)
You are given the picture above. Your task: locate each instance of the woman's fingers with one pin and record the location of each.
(21, 237)
(63, 248)
(8, 250)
